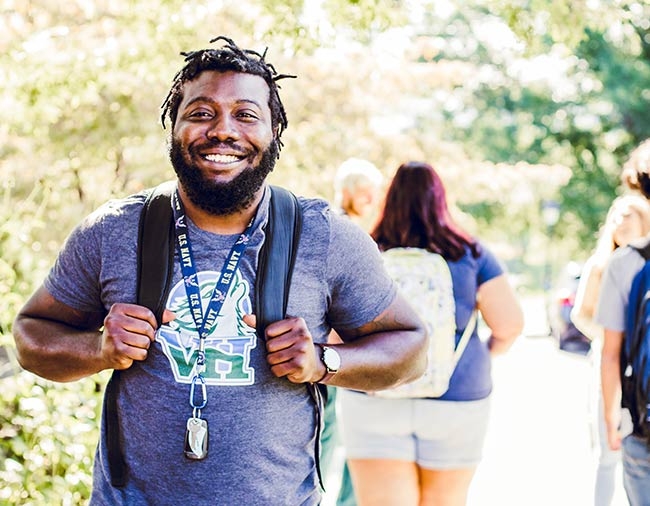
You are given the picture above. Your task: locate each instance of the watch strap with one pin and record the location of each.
(328, 372)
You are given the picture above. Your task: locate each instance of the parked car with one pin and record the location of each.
(562, 299)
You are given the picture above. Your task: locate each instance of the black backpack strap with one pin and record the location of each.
(116, 463)
(155, 269)
(274, 270)
(156, 249)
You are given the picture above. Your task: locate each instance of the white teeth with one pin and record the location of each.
(222, 158)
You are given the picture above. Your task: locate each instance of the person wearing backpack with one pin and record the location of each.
(213, 404)
(420, 444)
(627, 219)
(621, 314)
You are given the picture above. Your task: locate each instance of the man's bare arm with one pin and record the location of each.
(383, 353)
(60, 343)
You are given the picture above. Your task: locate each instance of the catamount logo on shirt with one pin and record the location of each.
(227, 347)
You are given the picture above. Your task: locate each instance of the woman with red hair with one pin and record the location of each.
(424, 451)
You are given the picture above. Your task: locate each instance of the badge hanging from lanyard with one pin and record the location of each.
(196, 433)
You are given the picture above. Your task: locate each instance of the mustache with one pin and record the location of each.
(231, 146)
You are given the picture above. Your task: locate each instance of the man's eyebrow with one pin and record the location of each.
(210, 100)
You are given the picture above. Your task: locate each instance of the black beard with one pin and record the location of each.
(221, 199)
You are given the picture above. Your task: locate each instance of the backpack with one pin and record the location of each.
(635, 352)
(275, 266)
(424, 278)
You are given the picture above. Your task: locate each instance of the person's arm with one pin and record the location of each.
(60, 343)
(582, 314)
(501, 311)
(383, 353)
(610, 370)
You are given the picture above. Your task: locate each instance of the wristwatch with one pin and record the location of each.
(331, 360)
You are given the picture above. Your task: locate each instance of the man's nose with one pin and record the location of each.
(223, 128)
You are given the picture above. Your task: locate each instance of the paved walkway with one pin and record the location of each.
(540, 446)
(539, 449)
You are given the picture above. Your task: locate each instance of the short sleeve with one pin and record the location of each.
(489, 266)
(615, 288)
(361, 289)
(74, 277)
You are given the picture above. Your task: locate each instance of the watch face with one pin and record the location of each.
(331, 359)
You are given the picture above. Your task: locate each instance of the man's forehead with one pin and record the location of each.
(229, 83)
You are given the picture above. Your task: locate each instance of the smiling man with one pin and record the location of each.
(208, 413)
(230, 140)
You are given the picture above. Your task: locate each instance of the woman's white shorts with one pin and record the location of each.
(434, 434)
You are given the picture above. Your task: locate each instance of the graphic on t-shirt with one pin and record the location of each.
(227, 347)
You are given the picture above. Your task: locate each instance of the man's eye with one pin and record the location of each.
(199, 114)
(247, 115)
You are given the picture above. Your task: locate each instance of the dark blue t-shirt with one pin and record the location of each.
(472, 378)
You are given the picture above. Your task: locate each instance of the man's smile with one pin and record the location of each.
(216, 158)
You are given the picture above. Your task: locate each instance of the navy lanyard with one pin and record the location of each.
(204, 322)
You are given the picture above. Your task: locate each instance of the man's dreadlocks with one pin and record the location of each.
(227, 58)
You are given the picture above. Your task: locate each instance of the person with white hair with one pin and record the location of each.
(356, 190)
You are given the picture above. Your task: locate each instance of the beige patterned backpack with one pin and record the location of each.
(425, 281)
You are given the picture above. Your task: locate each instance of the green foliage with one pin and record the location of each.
(366, 18)
(567, 96)
(624, 70)
(24, 259)
(48, 431)
(47, 439)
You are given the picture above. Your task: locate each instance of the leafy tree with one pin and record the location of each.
(606, 54)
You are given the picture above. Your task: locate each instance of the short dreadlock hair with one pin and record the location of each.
(230, 57)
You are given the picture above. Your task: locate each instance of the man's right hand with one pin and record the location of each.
(60, 343)
(128, 332)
